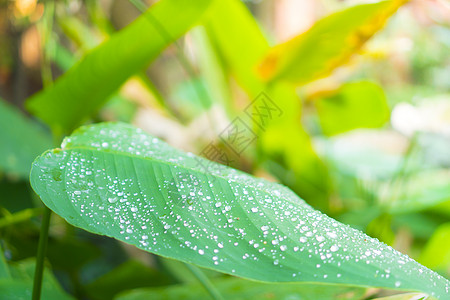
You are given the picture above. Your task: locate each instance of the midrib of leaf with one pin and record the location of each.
(192, 170)
(178, 166)
(225, 190)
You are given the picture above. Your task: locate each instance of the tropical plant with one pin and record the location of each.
(215, 230)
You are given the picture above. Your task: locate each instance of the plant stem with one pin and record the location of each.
(402, 171)
(42, 249)
(47, 78)
(209, 287)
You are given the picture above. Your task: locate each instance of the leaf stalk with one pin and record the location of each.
(42, 249)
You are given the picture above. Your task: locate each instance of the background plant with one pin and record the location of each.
(325, 83)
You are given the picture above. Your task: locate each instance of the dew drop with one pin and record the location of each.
(112, 199)
(332, 235)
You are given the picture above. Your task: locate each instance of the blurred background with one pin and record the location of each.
(366, 140)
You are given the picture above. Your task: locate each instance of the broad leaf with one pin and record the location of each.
(329, 43)
(354, 105)
(241, 47)
(241, 43)
(87, 85)
(17, 283)
(14, 289)
(115, 180)
(240, 289)
(21, 141)
(418, 191)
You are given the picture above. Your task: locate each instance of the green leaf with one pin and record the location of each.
(239, 289)
(436, 253)
(21, 290)
(84, 88)
(20, 285)
(115, 180)
(129, 275)
(22, 140)
(355, 105)
(213, 70)
(4, 269)
(78, 32)
(419, 191)
(182, 273)
(79, 251)
(16, 195)
(328, 44)
(241, 44)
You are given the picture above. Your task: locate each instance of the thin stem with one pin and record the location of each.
(42, 249)
(201, 277)
(47, 78)
(402, 170)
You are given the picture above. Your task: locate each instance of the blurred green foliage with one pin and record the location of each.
(342, 141)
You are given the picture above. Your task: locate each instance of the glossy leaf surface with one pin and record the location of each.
(115, 180)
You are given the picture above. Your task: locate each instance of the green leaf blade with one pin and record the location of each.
(21, 141)
(86, 86)
(359, 104)
(328, 44)
(115, 180)
(20, 284)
